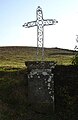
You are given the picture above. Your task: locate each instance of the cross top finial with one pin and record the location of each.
(39, 7)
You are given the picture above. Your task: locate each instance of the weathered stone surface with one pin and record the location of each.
(65, 81)
(41, 84)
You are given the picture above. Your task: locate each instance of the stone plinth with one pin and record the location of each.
(41, 85)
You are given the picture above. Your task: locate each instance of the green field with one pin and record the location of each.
(16, 56)
(13, 81)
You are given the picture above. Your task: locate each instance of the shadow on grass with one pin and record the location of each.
(14, 99)
(13, 94)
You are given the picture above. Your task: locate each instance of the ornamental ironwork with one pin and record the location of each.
(40, 23)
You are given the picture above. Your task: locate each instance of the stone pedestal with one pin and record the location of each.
(41, 85)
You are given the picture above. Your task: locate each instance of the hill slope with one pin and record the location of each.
(16, 56)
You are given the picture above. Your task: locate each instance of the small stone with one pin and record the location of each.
(52, 75)
(48, 88)
(44, 73)
(39, 88)
(45, 81)
(38, 76)
(31, 76)
(51, 89)
(53, 66)
(48, 85)
(49, 80)
(28, 76)
(52, 97)
(50, 92)
(52, 81)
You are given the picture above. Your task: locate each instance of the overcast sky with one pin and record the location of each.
(14, 13)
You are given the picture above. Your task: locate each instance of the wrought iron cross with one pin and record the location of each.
(40, 23)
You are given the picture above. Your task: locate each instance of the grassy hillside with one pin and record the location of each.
(13, 80)
(16, 56)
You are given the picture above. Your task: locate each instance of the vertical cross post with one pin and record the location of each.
(40, 23)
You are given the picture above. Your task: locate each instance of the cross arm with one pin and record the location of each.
(49, 22)
(29, 24)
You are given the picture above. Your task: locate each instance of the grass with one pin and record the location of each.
(13, 80)
(13, 95)
(16, 56)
